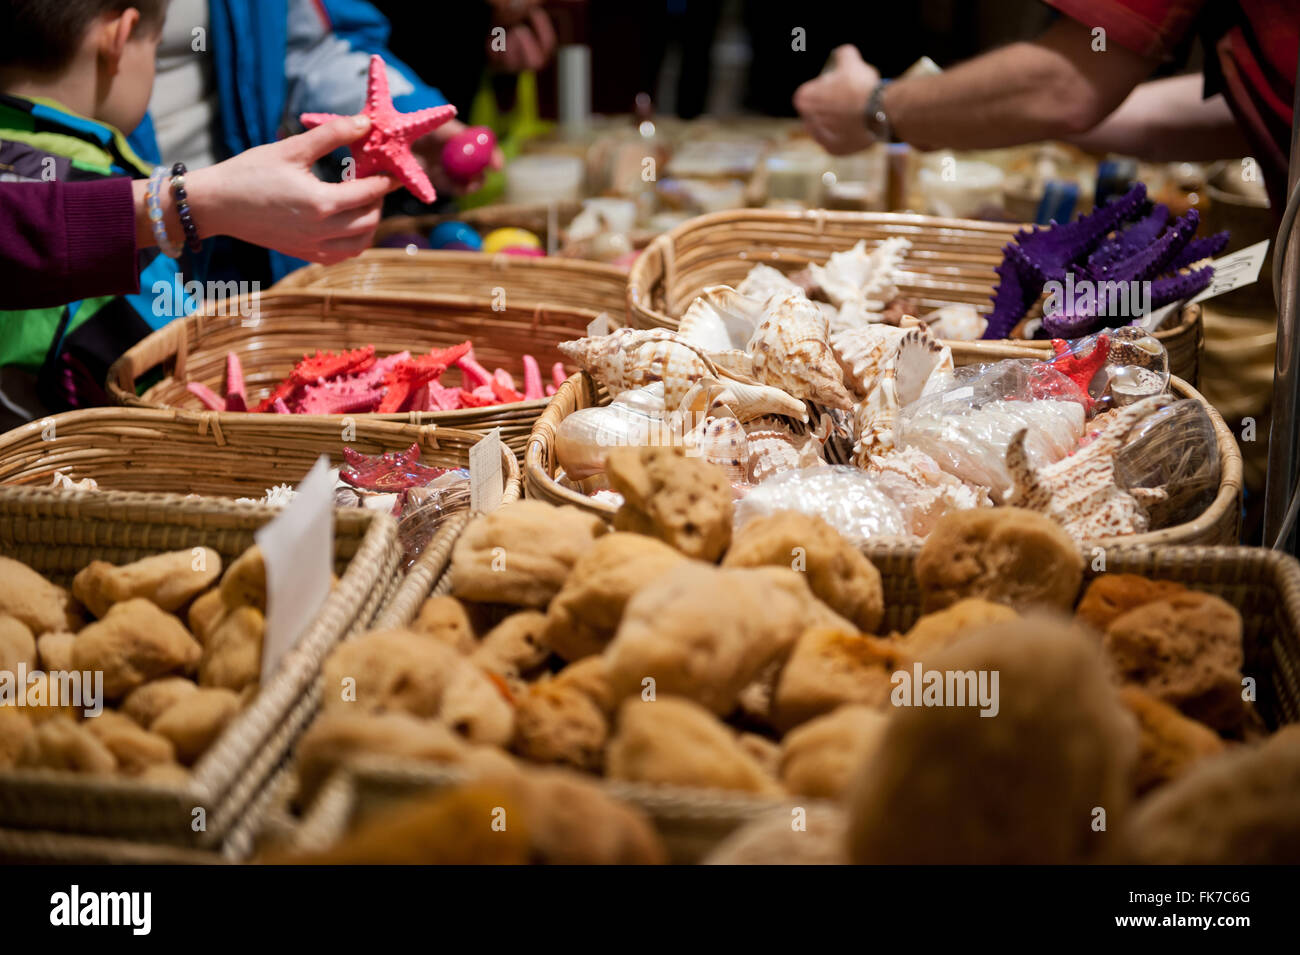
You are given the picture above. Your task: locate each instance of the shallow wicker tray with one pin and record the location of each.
(57, 534)
(1219, 524)
(1263, 585)
(581, 286)
(951, 261)
(291, 324)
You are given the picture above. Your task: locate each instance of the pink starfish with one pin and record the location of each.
(387, 147)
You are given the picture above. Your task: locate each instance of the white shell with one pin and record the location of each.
(957, 323)
(858, 275)
(919, 361)
(583, 439)
(720, 319)
(763, 282)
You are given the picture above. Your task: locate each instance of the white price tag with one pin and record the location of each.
(486, 482)
(298, 548)
(599, 326)
(1230, 272)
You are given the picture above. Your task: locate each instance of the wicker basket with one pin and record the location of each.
(548, 221)
(57, 534)
(1263, 585)
(286, 325)
(589, 287)
(951, 261)
(215, 454)
(1220, 524)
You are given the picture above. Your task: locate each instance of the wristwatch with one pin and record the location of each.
(876, 120)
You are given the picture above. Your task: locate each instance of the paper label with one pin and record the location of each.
(599, 326)
(298, 547)
(486, 482)
(1230, 272)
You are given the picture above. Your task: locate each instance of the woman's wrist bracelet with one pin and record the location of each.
(182, 200)
(153, 202)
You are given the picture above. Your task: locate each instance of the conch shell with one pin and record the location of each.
(720, 319)
(722, 441)
(791, 351)
(957, 323)
(858, 275)
(634, 358)
(763, 282)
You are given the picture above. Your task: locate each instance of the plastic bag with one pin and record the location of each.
(1136, 365)
(424, 509)
(1174, 448)
(845, 497)
(967, 428)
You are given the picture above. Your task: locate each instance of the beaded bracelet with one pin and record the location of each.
(153, 203)
(183, 208)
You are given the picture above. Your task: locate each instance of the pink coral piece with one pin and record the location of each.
(236, 400)
(387, 147)
(475, 374)
(558, 374)
(206, 395)
(532, 378)
(279, 407)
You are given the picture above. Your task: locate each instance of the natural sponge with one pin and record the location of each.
(705, 633)
(675, 741)
(521, 553)
(1113, 595)
(1004, 554)
(587, 610)
(1239, 808)
(685, 502)
(134, 643)
(837, 572)
(1186, 651)
(168, 580)
(948, 785)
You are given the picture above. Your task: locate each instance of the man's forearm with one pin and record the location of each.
(1167, 120)
(1054, 87)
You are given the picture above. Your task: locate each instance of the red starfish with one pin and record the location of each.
(394, 471)
(387, 147)
(1080, 370)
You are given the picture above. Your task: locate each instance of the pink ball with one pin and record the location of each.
(467, 154)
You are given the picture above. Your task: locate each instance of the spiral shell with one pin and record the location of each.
(720, 319)
(791, 351)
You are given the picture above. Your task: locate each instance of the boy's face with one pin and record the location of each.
(128, 95)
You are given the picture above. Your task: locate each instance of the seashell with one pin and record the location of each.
(774, 447)
(791, 351)
(863, 353)
(584, 438)
(858, 275)
(854, 314)
(720, 319)
(634, 358)
(1079, 492)
(923, 491)
(735, 361)
(920, 364)
(763, 282)
(722, 441)
(957, 323)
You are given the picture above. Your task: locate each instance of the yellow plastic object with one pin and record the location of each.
(499, 239)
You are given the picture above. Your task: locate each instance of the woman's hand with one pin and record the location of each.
(269, 196)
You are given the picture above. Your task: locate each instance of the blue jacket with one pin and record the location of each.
(276, 59)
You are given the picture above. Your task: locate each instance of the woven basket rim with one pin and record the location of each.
(540, 482)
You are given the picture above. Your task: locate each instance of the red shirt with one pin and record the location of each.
(1255, 43)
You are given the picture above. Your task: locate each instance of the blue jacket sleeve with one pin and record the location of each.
(330, 44)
